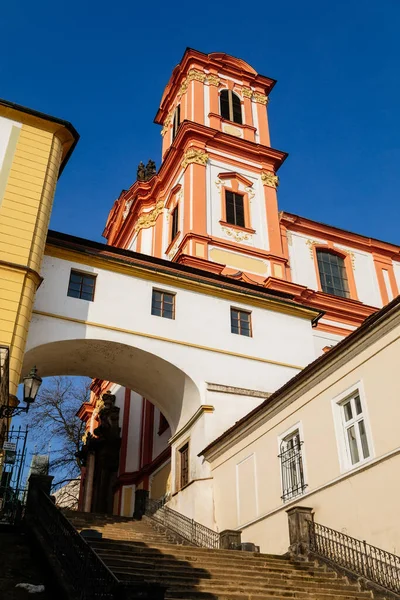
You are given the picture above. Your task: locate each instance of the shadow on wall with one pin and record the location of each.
(166, 386)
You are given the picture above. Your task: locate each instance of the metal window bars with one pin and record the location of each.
(358, 557)
(190, 530)
(292, 470)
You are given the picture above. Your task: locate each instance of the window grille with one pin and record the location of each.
(81, 285)
(241, 322)
(291, 458)
(163, 304)
(234, 204)
(332, 274)
(231, 106)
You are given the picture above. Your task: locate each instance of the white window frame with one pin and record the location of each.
(341, 428)
(296, 427)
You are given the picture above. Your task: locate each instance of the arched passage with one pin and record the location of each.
(164, 384)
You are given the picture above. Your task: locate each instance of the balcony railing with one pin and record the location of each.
(374, 564)
(189, 530)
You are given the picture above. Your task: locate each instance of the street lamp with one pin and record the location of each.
(32, 383)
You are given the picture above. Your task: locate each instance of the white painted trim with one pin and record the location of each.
(386, 279)
(336, 402)
(336, 324)
(236, 158)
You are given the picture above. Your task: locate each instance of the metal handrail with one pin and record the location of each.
(374, 564)
(190, 530)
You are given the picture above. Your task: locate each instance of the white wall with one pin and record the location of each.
(160, 442)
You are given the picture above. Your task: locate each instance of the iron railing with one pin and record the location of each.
(358, 557)
(84, 570)
(4, 388)
(292, 469)
(192, 532)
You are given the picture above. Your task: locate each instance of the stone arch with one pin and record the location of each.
(164, 384)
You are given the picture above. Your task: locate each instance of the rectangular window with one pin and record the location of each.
(81, 285)
(177, 121)
(175, 222)
(184, 465)
(163, 304)
(354, 430)
(293, 481)
(241, 322)
(234, 204)
(162, 424)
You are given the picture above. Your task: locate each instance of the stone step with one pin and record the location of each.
(223, 594)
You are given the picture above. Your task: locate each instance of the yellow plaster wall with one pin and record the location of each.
(24, 218)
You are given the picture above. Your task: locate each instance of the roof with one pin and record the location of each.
(151, 263)
(45, 117)
(370, 322)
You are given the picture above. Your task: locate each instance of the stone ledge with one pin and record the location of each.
(229, 389)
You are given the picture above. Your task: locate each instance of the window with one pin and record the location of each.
(292, 469)
(162, 424)
(332, 273)
(175, 222)
(177, 121)
(355, 434)
(234, 205)
(240, 322)
(184, 465)
(163, 304)
(230, 106)
(81, 285)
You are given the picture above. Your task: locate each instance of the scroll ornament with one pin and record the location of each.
(149, 219)
(270, 179)
(194, 156)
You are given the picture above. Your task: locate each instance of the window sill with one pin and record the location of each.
(238, 227)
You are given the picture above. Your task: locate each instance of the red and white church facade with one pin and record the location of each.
(213, 206)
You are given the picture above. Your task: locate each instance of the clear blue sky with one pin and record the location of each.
(335, 109)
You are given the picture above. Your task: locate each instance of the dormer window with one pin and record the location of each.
(177, 121)
(230, 106)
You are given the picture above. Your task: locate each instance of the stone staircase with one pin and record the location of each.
(135, 551)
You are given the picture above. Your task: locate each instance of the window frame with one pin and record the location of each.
(245, 311)
(176, 121)
(169, 293)
(231, 115)
(243, 197)
(290, 433)
(343, 447)
(92, 276)
(174, 223)
(184, 447)
(333, 252)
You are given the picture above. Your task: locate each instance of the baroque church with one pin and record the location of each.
(212, 207)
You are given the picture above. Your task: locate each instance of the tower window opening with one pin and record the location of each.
(175, 222)
(230, 106)
(234, 205)
(332, 273)
(177, 121)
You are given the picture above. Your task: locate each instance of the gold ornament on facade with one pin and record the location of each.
(270, 179)
(183, 88)
(238, 236)
(197, 157)
(247, 92)
(167, 122)
(196, 75)
(212, 79)
(311, 244)
(85, 437)
(260, 98)
(149, 219)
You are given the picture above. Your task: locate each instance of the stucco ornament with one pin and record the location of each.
(167, 122)
(213, 79)
(249, 190)
(149, 219)
(194, 156)
(183, 88)
(260, 98)
(174, 249)
(247, 92)
(195, 74)
(128, 205)
(238, 236)
(270, 179)
(311, 244)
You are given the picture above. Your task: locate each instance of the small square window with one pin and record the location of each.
(163, 304)
(241, 322)
(81, 285)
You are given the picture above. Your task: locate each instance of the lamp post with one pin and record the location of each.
(32, 383)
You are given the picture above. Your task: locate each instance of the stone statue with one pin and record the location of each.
(141, 172)
(150, 169)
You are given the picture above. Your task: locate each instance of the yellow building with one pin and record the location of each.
(34, 149)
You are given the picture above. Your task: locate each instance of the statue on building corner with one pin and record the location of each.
(150, 169)
(141, 172)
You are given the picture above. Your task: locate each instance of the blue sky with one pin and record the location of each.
(103, 66)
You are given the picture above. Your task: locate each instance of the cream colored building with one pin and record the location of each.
(328, 439)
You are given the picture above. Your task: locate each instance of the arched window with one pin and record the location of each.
(231, 107)
(332, 273)
(177, 121)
